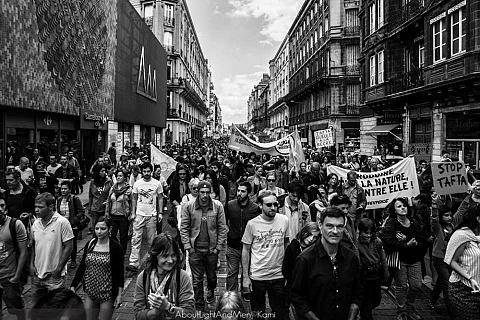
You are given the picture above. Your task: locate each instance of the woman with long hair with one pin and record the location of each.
(333, 185)
(402, 235)
(98, 193)
(463, 256)
(163, 289)
(179, 185)
(118, 208)
(218, 191)
(101, 272)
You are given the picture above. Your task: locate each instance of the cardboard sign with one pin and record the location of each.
(449, 177)
(323, 138)
(381, 187)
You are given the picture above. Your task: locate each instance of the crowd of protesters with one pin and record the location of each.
(303, 238)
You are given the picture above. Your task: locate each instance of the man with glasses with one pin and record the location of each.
(264, 242)
(327, 281)
(237, 213)
(203, 231)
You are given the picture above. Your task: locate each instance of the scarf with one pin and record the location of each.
(458, 238)
(158, 287)
(119, 191)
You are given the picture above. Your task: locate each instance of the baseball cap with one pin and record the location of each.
(204, 184)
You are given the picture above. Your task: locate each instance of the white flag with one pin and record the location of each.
(167, 163)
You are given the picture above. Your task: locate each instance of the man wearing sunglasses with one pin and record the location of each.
(327, 281)
(264, 242)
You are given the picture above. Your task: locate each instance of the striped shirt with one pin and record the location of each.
(469, 260)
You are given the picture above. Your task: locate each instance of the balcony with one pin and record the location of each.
(172, 113)
(452, 68)
(353, 31)
(169, 22)
(348, 110)
(406, 81)
(405, 13)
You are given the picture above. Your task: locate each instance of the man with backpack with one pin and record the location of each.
(13, 257)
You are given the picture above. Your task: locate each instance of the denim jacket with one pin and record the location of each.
(192, 219)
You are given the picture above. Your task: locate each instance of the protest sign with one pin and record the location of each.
(449, 177)
(167, 163)
(240, 142)
(381, 187)
(323, 138)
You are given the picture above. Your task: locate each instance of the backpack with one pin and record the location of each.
(13, 234)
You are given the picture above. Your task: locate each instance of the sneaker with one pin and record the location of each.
(210, 296)
(132, 269)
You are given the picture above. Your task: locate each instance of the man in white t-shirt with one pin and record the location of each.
(53, 166)
(264, 242)
(147, 203)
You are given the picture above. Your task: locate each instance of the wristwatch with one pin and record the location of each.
(171, 309)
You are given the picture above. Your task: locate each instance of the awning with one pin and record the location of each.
(384, 129)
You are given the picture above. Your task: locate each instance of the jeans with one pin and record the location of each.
(11, 293)
(234, 258)
(140, 223)
(201, 263)
(276, 297)
(408, 283)
(40, 287)
(443, 271)
(120, 224)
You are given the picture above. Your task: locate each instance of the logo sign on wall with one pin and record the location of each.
(323, 138)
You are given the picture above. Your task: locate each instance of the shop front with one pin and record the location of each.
(93, 128)
(462, 136)
(388, 133)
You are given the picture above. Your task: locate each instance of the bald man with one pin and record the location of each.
(25, 171)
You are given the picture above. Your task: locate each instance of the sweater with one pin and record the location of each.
(116, 263)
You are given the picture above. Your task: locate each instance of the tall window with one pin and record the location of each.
(458, 31)
(168, 12)
(380, 66)
(372, 70)
(439, 40)
(421, 54)
(380, 11)
(327, 25)
(148, 10)
(372, 14)
(168, 39)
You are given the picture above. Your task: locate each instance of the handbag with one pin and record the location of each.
(393, 260)
(83, 222)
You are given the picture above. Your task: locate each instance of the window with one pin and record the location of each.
(168, 12)
(168, 39)
(316, 36)
(439, 40)
(457, 31)
(380, 11)
(372, 15)
(380, 66)
(326, 25)
(421, 54)
(372, 71)
(148, 10)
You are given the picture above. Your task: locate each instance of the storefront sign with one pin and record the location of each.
(100, 120)
(323, 138)
(449, 177)
(47, 120)
(400, 180)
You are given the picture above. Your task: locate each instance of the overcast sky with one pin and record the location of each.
(239, 37)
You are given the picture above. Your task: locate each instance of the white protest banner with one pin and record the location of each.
(240, 142)
(381, 187)
(167, 163)
(449, 177)
(323, 138)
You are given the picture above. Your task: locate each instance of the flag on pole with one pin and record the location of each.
(296, 156)
(167, 163)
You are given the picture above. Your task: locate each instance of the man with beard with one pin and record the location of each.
(66, 172)
(264, 243)
(327, 281)
(203, 231)
(314, 179)
(237, 213)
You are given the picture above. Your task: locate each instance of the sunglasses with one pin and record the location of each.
(271, 180)
(272, 204)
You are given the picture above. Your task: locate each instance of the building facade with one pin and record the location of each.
(324, 83)
(257, 103)
(279, 76)
(214, 120)
(188, 78)
(421, 72)
(58, 98)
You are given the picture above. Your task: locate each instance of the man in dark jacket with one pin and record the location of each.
(19, 197)
(237, 213)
